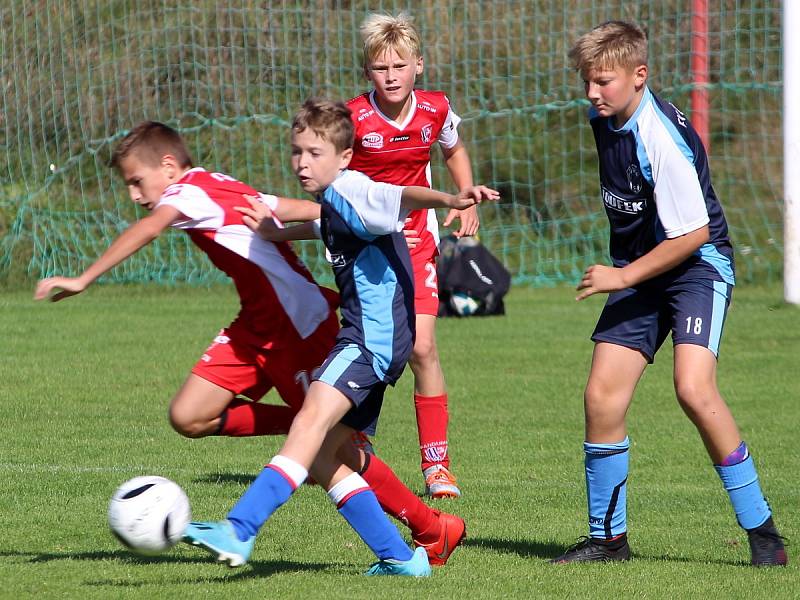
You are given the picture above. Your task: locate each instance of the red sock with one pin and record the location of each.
(397, 500)
(432, 426)
(244, 418)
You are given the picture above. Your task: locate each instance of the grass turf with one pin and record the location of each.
(85, 387)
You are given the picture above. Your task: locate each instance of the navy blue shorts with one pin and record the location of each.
(349, 369)
(642, 317)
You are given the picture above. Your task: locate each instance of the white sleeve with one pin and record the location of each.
(269, 200)
(679, 198)
(448, 136)
(195, 204)
(375, 206)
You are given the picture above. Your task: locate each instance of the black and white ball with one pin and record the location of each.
(149, 514)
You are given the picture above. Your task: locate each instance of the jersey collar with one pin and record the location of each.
(392, 122)
(646, 98)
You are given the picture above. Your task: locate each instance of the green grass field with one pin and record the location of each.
(85, 387)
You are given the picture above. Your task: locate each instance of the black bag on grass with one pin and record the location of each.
(471, 280)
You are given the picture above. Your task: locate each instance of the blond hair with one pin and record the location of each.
(330, 120)
(610, 45)
(151, 141)
(381, 33)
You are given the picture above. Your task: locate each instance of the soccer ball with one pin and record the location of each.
(463, 304)
(149, 514)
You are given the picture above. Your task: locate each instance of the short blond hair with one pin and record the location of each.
(151, 141)
(382, 32)
(610, 45)
(330, 120)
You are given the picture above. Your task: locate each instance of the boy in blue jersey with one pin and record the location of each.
(672, 271)
(361, 225)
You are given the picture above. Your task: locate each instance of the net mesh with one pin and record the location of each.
(76, 76)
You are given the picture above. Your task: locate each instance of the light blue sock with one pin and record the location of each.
(606, 488)
(357, 503)
(266, 494)
(741, 483)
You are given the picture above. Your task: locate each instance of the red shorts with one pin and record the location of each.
(426, 286)
(251, 371)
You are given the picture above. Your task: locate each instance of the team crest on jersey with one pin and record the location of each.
(372, 140)
(426, 132)
(634, 179)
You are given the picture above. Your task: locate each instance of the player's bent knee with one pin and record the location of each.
(188, 427)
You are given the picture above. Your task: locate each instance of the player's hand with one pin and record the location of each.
(468, 218)
(598, 279)
(474, 195)
(68, 286)
(412, 236)
(258, 217)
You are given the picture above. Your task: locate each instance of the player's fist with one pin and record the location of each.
(258, 216)
(68, 286)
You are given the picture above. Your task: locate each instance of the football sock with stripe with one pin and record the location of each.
(270, 490)
(400, 502)
(432, 419)
(358, 505)
(740, 480)
(606, 487)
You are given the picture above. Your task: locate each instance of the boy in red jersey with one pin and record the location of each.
(396, 126)
(285, 328)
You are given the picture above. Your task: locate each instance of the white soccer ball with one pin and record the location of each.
(464, 304)
(149, 514)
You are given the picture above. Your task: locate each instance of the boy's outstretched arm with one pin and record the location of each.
(293, 209)
(416, 197)
(129, 242)
(456, 159)
(666, 255)
(259, 218)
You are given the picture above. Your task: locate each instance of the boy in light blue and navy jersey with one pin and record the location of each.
(672, 272)
(361, 225)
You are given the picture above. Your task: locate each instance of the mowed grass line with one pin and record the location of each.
(85, 387)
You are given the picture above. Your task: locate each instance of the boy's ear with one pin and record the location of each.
(345, 157)
(170, 166)
(420, 66)
(640, 76)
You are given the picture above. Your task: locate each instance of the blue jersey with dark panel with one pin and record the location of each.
(655, 184)
(361, 226)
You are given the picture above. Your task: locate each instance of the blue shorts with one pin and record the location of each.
(348, 368)
(641, 317)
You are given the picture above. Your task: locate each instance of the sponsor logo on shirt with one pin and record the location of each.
(338, 260)
(634, 179)
(426, 107)
(372, 140)
(679, 115)
(633, 207)
(400, 138)
(426, 132)
(365, 114)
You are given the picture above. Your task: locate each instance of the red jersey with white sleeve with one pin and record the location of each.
(400, 153)
(280, 301)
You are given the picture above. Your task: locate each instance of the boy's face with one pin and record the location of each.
(615, 92)
(393, 75)
(145, 182)
(315, 161)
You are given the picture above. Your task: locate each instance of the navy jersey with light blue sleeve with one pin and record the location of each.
(656, 185)
(361, 226)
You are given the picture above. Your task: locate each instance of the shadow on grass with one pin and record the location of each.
(253, 569)
(237, 478)
(526, 549)
(549, 550)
